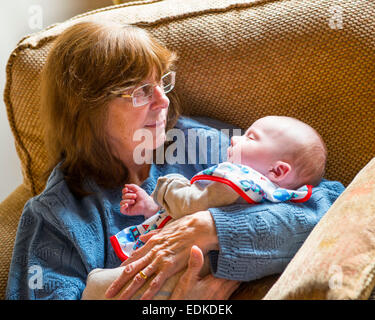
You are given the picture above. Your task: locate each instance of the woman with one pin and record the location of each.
(103, 87)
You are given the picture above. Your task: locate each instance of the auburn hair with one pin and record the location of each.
(87, 65)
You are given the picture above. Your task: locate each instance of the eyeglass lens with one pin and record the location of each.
(143, 94)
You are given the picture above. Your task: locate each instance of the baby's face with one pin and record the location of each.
(261, 146)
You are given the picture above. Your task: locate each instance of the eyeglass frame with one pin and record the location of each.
(172, 73)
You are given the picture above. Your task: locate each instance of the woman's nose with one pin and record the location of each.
(159, 99)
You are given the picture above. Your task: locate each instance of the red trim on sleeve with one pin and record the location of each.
(116, 246)
(307, 197)
(166, 219)
(227, 182)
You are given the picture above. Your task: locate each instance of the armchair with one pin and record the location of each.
(239, 60)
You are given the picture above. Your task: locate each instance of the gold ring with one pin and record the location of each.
(143, 275)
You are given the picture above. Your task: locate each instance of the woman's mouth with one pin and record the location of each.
(155, 124)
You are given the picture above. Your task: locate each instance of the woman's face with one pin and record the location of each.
(129, 126)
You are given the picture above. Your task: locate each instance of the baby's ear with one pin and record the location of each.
(279, 171)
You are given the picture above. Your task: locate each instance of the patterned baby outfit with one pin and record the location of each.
(127, 240)
(251, 185)
(217, 186)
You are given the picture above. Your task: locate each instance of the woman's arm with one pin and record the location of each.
(45, 264)
(256, 241)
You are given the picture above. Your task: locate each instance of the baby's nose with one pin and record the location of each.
(233, 140)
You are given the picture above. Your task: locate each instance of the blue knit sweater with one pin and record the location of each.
(60, 239)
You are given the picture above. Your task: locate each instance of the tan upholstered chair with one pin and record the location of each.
(238, 60)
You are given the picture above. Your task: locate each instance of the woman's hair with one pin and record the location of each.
(88, 64)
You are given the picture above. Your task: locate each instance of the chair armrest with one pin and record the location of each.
(337, 260)
(10, 212)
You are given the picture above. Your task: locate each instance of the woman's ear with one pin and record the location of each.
(279, 171)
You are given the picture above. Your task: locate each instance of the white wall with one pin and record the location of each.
(17, 19)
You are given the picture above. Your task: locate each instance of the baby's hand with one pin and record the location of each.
(136, 201)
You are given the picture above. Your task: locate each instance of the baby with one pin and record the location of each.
(277, 159)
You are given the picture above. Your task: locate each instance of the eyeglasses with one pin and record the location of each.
(144, 94)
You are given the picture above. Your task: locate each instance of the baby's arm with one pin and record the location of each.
(136, 201)
(179, 197)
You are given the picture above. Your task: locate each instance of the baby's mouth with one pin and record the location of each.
(229, 153)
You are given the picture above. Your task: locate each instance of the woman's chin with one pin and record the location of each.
(157, 142)
(154, 137)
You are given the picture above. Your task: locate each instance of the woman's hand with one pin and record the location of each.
(192, 287)
(165, 253)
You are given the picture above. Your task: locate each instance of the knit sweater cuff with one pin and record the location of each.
(233, 232)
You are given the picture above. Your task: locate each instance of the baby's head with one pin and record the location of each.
(287, 151)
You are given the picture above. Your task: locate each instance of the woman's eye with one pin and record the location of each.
(141, 92)
(147, 90)
(138, 93)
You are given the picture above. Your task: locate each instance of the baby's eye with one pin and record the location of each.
(251, 136)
